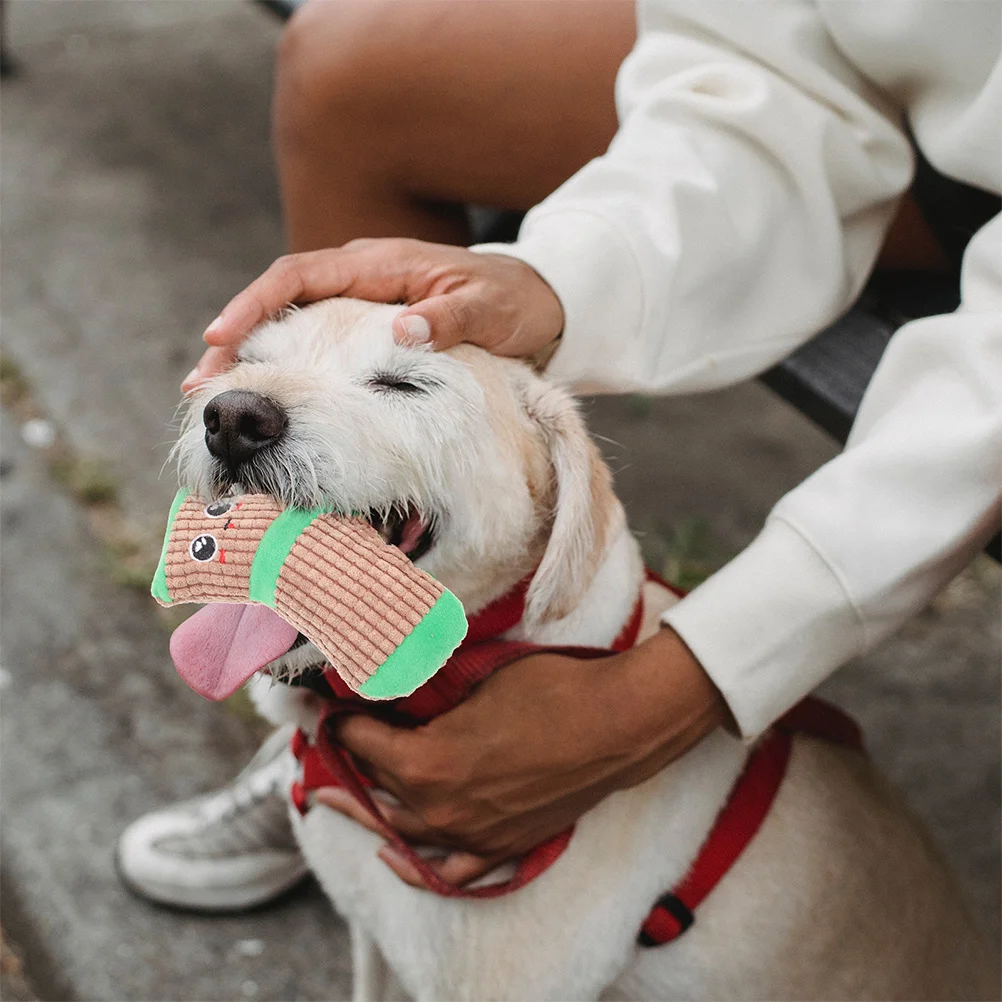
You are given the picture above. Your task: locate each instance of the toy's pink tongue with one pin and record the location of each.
(221, 646)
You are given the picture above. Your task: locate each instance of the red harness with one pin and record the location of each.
(325, 763)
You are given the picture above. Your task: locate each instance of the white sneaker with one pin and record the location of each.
(222, 851)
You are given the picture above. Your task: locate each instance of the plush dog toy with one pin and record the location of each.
(270, 574)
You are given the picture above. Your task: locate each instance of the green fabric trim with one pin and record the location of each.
(273, 550)
(423, 651)
(159, 588)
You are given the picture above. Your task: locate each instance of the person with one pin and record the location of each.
(708, 185)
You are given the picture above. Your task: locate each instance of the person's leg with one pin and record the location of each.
(390, 115)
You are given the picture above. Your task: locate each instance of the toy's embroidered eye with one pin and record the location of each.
(218, 508)
(203, 548)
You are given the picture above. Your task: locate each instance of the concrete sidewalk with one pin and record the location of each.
(137, 195)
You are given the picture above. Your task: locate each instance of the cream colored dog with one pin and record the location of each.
(483, 471)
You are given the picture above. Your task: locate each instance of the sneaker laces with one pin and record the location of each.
(250, 789)
(250, 814)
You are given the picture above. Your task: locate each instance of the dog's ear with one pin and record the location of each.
(584, 508)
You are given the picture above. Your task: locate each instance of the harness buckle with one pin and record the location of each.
(668, 919)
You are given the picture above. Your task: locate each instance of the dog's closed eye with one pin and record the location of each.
(397, 383)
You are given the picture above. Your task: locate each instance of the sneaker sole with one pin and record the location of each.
(213, 899)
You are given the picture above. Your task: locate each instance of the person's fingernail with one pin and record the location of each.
(215, 325)
(191, 382)
(416, 329)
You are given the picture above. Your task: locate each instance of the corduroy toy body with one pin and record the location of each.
(383, 624)
(839, 895)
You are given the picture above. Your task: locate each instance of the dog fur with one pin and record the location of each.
(841, 893)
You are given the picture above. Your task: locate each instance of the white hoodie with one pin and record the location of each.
(738, 211)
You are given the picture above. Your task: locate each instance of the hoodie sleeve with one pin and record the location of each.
(737, 212)
(863, 544)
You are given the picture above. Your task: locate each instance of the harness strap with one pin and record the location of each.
(742, 816)
(735, 827)
(325, 763)
(507, 611)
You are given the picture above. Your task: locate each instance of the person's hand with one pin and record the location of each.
(453, 295)
(534, 747)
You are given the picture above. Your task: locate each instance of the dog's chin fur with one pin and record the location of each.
(838, 895)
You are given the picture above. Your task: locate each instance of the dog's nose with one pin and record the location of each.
(239, 423)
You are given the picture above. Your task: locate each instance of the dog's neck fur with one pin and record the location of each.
(606, 605)
(661, 822)
(679, 804)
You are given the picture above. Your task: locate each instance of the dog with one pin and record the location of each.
(483, 472)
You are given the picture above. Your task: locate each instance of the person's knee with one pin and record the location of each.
(335, 75)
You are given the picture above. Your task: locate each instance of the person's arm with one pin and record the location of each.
(842, 561)
(864, 543)
(737, 212)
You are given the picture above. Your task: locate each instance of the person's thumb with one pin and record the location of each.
(442, 321)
